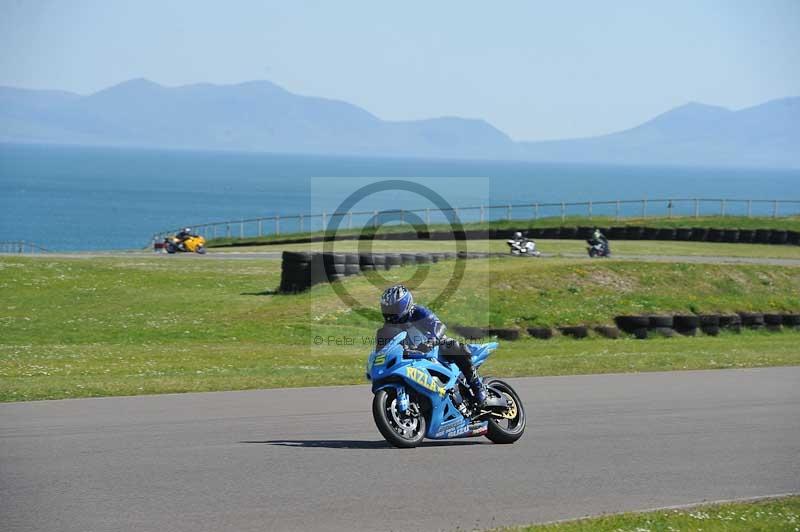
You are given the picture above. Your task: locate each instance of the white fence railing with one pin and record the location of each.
(20, 246)
(615, 209)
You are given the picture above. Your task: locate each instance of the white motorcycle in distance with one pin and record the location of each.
(522, 246)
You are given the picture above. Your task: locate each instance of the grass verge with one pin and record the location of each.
(766, 515)
(122, 326)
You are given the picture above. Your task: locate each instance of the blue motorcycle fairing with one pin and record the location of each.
(430, 377)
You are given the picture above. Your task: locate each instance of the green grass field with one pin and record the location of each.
(762, 516)
(133, 325)
(718, 222)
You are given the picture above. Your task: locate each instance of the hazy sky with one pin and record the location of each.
(536, 70)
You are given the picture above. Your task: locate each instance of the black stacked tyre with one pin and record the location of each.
(635, 325)
(575, 331)
(779, 237)
(731, 322)
(714, 235)
(752, 320)
(686, 324)
(542, 333)
(633, 232)
(730, 235)
(709, 324)
(746, 236)
(699, 234)
(762, 236)
(666, 233)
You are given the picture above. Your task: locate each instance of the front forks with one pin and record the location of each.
(402, 400)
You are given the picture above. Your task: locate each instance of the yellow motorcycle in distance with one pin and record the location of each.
(192, 244)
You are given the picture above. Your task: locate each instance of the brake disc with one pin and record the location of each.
(511, 412)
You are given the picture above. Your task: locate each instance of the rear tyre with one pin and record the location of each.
(401, 430)
(171, 248)
(507, 430)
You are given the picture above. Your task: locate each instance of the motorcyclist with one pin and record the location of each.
(184, 234)
(424, 330)
(518, 237)
(599, 238)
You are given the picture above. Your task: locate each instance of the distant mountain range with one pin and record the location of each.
(261, 116)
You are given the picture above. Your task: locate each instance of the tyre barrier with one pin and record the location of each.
(791, 320)
(470, 333)
(542, 333)
(660, 322)
(709, 324)
(625, 232)
(642, 327)
(773, 322)
(575, 331)
(300, 270)
(778, 237)
(687, 325)
(730, 235)
(607, 332)
(746, 236)
(714, 235)
(762, 236)
(633, 232)
(630, 324)
(504, 334)
(569, 233)
(752, 320)
(731, 322)
(699, 234)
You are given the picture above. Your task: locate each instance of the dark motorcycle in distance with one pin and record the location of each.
(598, 248)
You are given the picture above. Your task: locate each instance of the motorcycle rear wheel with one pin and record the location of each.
(506, 430)
(401, 430)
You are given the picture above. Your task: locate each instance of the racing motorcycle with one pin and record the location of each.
(598, 248)
(418, 396)
(523, 247)
(193, 244)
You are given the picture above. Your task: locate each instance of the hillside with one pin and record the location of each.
(261, 116)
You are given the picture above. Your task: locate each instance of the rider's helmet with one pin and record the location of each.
(517, 236)
(187, 230)
(396, 304)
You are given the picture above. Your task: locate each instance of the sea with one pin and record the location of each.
(70, 198)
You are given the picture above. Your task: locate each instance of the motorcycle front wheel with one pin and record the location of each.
(510, 428)
(404, 430)
(201, 250)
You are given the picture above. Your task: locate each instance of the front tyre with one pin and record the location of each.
(201, 250)
(401, 430)
(510, 428)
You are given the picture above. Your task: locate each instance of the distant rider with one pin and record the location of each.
(599, 238)
(424, 330)
(184, 235)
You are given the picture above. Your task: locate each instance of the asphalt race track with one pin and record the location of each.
(311, 459)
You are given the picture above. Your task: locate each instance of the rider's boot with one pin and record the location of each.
(482, 398)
